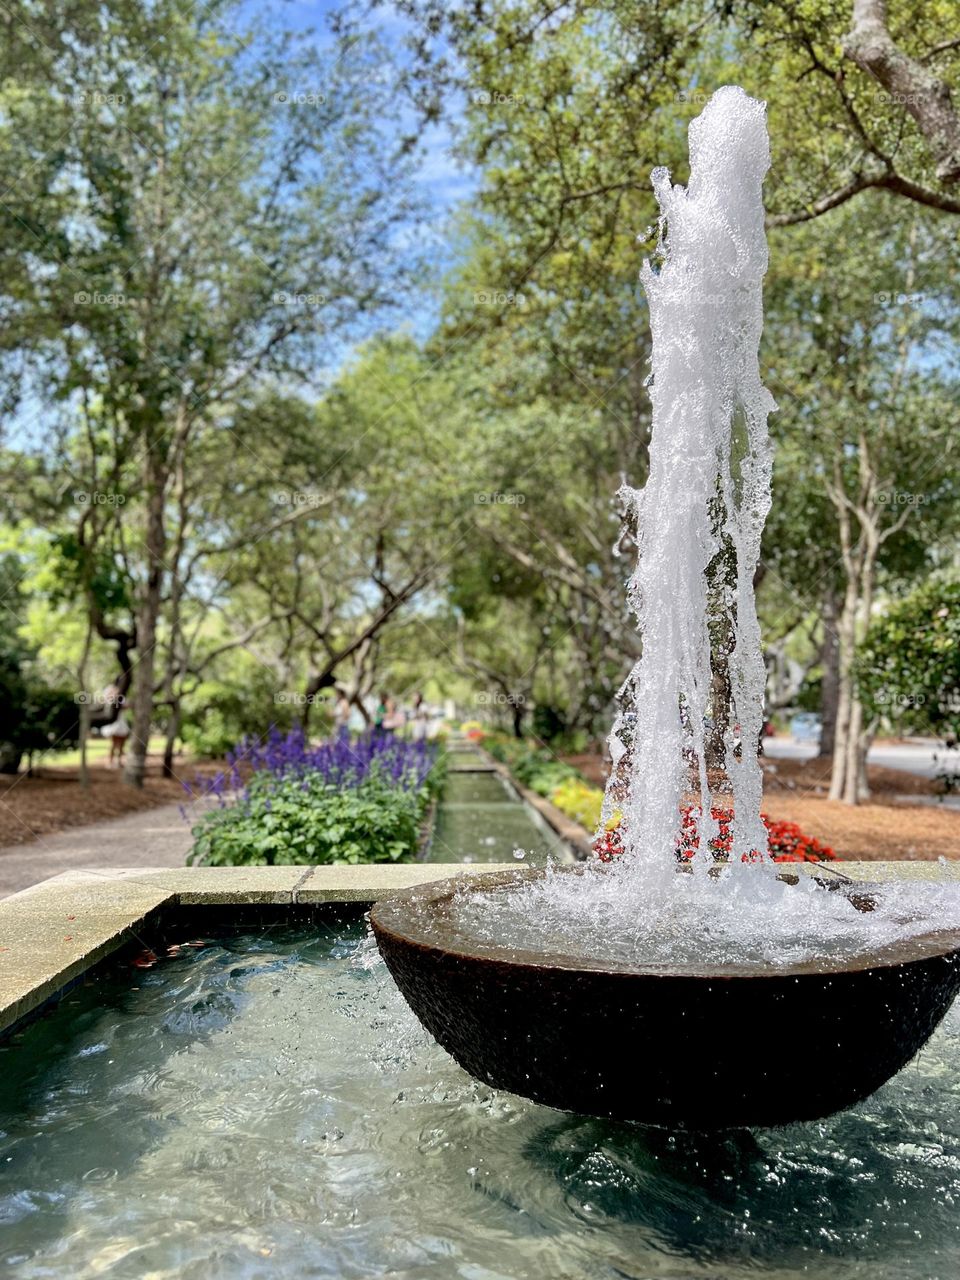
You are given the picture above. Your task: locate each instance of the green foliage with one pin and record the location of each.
(34, 716)
(218, 714)
(908, 667)
(810, 695)
(216, 729)
(533, 767)
(305, 820)
(549, 722)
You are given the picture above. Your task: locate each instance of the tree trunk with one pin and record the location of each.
(173, 732)
(82, 744)
(848, 778)
(857, 785)
(830, 683)
(84, 708)
(846, 642)
(147, 616)
(721, 696)
(518, 710)
(322, 680)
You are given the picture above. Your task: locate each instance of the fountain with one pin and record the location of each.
(691, 991)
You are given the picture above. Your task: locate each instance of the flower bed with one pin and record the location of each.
(538, 769)
(787, 843)
(346, 801)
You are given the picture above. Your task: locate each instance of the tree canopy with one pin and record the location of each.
(264, 448)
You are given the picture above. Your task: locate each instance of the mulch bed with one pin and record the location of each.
(886, 827)
(53, 800)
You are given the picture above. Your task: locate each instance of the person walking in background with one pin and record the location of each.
(393, 717)
(117, 733)
(380, 713)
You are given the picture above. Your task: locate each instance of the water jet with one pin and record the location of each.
(697, 1000)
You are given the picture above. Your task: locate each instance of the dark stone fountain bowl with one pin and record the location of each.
(685, 1048)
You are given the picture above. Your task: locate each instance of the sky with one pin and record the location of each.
(439, 186)
(442, 182)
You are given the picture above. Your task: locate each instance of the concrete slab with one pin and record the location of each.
(371, 883)
(53, 933)
(946, 870)
(225, 886)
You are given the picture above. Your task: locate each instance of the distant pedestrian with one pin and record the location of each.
(393, 718)
(380, 711)
(117, 733)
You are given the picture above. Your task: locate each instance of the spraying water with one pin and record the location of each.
(705, 501)
(701, 676)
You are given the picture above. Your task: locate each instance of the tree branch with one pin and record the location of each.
(908, 84)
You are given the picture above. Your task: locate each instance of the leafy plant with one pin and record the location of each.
(578, 800)
(306, 819)
(908, 667)
(34, 717)
(346, 801)
(533, 767)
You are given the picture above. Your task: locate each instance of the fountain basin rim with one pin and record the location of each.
(420, 918)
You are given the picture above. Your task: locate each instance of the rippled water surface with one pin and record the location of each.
(266, 1106)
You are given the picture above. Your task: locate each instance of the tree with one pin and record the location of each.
(568, 110)
(202, 226)
(908, 665)
(567, 100)
(35, 716)
(868, 400)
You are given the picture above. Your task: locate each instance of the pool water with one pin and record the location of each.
(480, 787)
(264, 1105)
(480, 819)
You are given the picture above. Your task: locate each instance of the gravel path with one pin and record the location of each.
(151, 838)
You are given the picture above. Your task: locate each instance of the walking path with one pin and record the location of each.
(149, 838)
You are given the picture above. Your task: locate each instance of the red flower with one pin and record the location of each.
(787, 843)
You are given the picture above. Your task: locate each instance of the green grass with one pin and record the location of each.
(98, 751)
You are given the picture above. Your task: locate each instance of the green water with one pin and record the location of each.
(477, 788)
(480, 819)
(466, 758)
(266, 1107)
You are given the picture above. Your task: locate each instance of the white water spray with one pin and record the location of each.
(705, 500)
(699, 521)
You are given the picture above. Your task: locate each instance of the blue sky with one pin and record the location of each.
(440, 184)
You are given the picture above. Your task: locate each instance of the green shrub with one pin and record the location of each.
(218, 714)
(533, 767)
(306, 819)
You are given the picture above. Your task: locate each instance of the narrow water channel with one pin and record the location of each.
(480, 818)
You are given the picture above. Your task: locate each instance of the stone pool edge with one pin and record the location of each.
(53, 932)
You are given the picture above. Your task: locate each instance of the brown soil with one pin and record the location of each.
(888, 827)
(53, 799)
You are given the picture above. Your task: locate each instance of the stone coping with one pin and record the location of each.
(53, 932)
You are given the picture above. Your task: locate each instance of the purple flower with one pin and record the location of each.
(341, 761)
